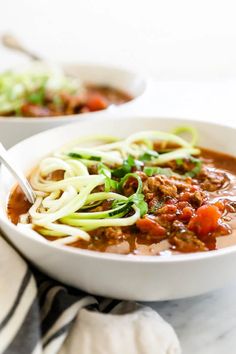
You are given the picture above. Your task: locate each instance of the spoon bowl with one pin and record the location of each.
(18, 174)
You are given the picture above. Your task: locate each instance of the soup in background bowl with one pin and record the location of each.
(137, 276)
(43, 96)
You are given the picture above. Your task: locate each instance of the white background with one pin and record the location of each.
(167, 39)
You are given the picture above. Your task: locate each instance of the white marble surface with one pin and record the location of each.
(205, 324)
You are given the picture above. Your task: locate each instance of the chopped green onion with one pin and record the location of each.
(123, 170)
(111, 184)
(127, 166)
(150, 171)
(37, 97)
(149, 155)
(179, 162)
(104, 170)
(197, 169)
(138, 200)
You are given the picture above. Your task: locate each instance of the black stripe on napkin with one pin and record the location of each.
(43, 290)
(111, 306)
(65, 328)
(59, 333)
(61, 302)
(28, 335)
(19, 295)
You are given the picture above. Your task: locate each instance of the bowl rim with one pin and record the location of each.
(115, 108)
(164, 259)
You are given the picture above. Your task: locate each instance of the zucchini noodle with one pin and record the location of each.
(173, 155)
(187, 129)
(70, 205)
(94, 224)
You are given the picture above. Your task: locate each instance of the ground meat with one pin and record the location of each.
(187, 242)
(211, 180)
(130, 187)
(98, 189)
(159, 185)
(154, 205)
(159, 189)
(93, 169)
(106, 205)
(182, 184)
(178, 227)
(186, 166)
(57, 175)
(142, 175)
(108, 232)
(197, 198)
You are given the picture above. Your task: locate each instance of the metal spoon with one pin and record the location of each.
(11, 42)
(18, 174)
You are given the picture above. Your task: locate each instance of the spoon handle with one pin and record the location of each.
(21, 179)
(11, 42)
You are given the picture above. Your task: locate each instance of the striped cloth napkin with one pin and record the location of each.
(39, 315)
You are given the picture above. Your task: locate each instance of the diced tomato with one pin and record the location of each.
(205, 221)
(151, 227)
(186, 214)
(96, 102)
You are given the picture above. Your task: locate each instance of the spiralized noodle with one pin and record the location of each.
(66, 208)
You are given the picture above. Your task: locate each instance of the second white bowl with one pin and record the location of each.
(15, 129)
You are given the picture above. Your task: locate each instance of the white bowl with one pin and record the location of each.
(14, 129)
(146, 278)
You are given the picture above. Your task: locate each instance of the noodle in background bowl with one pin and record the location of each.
(146, 278)
(14, 129)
